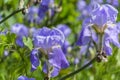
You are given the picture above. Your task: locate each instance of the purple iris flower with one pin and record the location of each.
(21, 31)
(104, 20)
(24, 78)
(66, 30)
(43, 8)
(49, 41)
(113, 2)
(32, 15)
(81, 5)
(46, 6)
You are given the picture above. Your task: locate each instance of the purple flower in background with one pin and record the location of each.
(81, 5)
(113, 2)
(49, 41)
(46, 6)
(6, 53)
(21, 31)
(32, 15)
(32, 31)
(24, 78)
(43, 8)
(66, 31)
(103, 19)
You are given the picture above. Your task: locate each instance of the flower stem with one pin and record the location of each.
(15, 12)
(100, 45)
(79, 70)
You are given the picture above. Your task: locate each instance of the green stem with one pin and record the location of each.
(79, 70)
(15, 12)
(100, 45)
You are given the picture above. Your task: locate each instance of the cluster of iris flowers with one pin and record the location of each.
(99, 30)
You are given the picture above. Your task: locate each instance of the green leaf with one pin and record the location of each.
(28, 42)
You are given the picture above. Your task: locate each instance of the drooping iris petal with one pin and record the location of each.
(58, 59)
(65, 29)
(34, 59)
(107, 47)
(24, 78)
(54, 72)
(111, 34)
(85, 36)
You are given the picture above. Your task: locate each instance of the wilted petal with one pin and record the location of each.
(34, 59)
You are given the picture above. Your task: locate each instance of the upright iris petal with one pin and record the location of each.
(104, 14)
